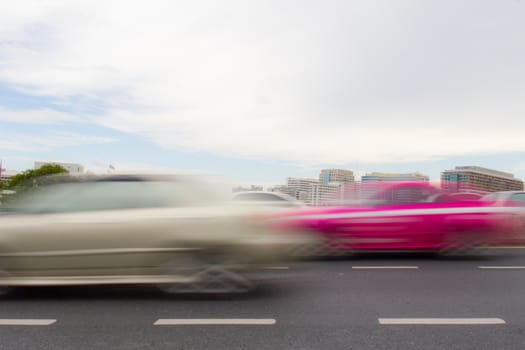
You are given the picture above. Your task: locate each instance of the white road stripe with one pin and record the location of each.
(378, 267)
(501, 267)
(25, 322)
(277, 268)
(507, 247)
(440, 321)
(213, 321)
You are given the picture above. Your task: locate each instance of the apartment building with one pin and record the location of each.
(301, 188)
(327, 176)
(328, 189)
(329, 194)
(475, 178)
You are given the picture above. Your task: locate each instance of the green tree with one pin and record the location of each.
(33, 177)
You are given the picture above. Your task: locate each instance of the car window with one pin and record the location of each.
(491, 197)
(518, 197)
(440, 198)
(108, 195)
(408, 194)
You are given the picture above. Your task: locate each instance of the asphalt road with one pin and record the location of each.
(338, 304)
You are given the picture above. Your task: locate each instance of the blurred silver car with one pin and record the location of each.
(168, 231)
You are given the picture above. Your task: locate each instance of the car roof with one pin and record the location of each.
(67, 178)
(276, 194)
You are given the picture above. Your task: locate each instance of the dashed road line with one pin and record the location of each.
(502, 267)
(379, 267)
(26, 322)
(214, 321)
(507, 247)
(277, 268)
(440, 321)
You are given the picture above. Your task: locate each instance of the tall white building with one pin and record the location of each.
(329, 194)
(476, 178)
(327, 176)
(333, 183)
(301, 188)
(327, 190)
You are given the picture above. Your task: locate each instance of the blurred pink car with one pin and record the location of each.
(409, 217)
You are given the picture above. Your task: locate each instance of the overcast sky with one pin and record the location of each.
(260, 90)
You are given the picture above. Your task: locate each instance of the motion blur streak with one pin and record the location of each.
(174, 231)
(410, 217)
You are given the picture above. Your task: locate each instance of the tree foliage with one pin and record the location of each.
(32, 178)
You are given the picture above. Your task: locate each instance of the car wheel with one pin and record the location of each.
(321, 249)
(464, 245)
(208, 275)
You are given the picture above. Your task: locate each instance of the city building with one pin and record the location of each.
(300, 188)
(333, 184)
(329, 194)
(5, 175)
(328, 189)
(375, 176)
(475, 178)
(72, 168)
(336, 175)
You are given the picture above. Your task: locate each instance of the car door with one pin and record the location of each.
(92, 228)
(404, 220)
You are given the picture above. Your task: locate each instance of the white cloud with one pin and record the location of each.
(46, 140)
(517, 168)
(36, 116)
(312, 82)
(98, 166)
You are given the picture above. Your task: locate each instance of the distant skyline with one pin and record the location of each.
(257, 91)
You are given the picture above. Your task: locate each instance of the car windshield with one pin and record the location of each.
(110, 195)
(380, 194)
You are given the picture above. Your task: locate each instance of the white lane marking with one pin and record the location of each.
(277, 268)
(502, 267)
(213, 321)
(440, 321)
(25, 322)
(378, 267)
(507, 247)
